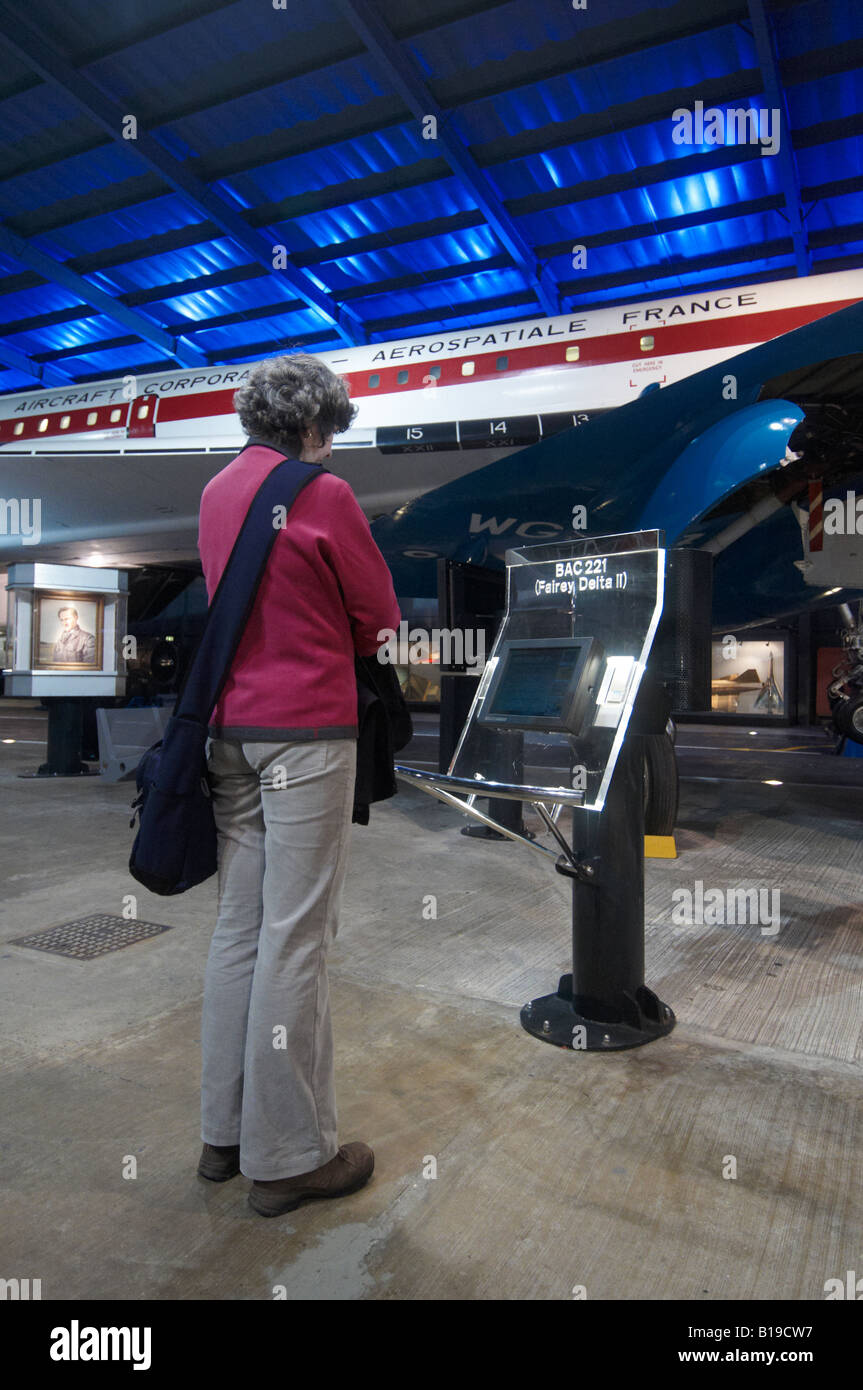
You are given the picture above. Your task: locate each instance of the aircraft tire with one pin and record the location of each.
(660, 785)
(848, 717)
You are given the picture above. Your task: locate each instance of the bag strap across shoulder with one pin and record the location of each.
(235, 595)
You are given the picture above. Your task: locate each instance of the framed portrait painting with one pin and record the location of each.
(67, 631)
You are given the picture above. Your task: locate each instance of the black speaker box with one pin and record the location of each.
(681, 654)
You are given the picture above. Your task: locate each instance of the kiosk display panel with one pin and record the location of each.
(554, 701)
(543, 683)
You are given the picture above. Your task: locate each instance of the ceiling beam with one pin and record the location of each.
(401, 70)
(49, 269)
(35, 48)
(16, 361)
(776, 101)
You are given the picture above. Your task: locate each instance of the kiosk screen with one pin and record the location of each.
(543, 684)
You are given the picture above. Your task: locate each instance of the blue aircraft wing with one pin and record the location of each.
(663, 460)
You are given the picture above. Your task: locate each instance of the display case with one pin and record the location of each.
(66, 625)
(749, 677)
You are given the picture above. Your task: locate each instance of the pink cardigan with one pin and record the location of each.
(326, 593)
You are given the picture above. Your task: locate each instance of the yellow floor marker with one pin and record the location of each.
(659, 847)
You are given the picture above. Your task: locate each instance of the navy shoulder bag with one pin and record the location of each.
(176, 845)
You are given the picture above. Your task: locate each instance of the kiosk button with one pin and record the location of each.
(615, 682)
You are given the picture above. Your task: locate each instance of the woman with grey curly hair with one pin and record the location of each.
(282, 770)
(290, 399)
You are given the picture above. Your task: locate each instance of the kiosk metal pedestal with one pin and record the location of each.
(604, 1005)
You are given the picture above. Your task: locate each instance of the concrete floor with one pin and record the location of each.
(555, 1169)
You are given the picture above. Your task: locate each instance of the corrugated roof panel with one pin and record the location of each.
(244, 298)
(687, 196)
(347, 86)
(285, 328)
(830, 213)
(103, 233)
(467, 248)
(683, 63)
(803, 28)
(113, 360)
(646, 251)
(827, 98)
(42, 299)
(499, 33)
(28, 114)
(13, 382)
(440, 321)
(642, 148)
(819, 164)
(478, 285)
(441, 198)
(323, 342)
(205, 258)
(71, 178)
(81, 27)
(349, 159)
(285, 112)
(663, 285)
(189, 52)
(66, 335)
(851, 250)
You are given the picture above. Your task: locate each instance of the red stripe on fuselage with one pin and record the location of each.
(602, 350)
(599, 350)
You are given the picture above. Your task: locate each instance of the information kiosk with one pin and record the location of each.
(557, 721)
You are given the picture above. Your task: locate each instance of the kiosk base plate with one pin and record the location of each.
(566, 1022)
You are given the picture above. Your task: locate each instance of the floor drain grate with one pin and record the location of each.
(88, 937)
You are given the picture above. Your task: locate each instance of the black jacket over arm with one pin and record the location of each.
(384, 728)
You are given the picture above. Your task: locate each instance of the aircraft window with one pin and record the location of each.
(92, 417)
(375, 379)
(43, 425)
(143, 412)
(646, 343)
(19, 428)
(435, 371)
(115, 416)
(468, 368)
(401, 378)
(502, 364)
(65, 422)
(573, 353)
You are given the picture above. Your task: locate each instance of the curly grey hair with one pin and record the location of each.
(282, 396)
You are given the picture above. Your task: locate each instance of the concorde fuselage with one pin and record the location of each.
(498, 386)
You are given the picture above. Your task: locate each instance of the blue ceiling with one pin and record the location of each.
(209, 181)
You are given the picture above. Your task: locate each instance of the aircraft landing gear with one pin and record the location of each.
(845, 691)
(660, 784)
(848, 717)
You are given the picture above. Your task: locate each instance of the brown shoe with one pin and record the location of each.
(219, 1162)
(350, 1170)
